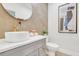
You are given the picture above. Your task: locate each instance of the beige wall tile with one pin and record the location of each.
(38, 21)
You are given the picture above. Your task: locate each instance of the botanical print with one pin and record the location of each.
(67, 18)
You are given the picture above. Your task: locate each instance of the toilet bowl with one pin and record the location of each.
(51, 48)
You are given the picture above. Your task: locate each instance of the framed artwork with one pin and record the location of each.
(67, 18)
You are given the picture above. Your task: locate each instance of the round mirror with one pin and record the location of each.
(21, 11)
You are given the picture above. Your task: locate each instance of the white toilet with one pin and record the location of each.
(51, 48)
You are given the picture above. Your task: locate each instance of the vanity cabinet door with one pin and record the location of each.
(41, 51)
(33, 53)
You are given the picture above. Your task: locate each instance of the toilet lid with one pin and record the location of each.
(52, 45)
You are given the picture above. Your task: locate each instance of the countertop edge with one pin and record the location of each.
(15, 45)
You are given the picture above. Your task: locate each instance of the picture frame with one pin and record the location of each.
(67, 18)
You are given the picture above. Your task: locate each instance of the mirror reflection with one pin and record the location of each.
(21, 11)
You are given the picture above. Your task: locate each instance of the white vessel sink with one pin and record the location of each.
(16, 36)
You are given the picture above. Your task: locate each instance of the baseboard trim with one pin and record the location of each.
(68, 52)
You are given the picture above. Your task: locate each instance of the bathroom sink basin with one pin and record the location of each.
(16, 36)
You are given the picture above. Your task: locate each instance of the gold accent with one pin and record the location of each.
(14, 29)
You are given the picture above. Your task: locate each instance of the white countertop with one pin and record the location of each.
(4, 46)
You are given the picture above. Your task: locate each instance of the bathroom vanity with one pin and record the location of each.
(34, 46)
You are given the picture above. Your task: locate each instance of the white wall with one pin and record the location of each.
(67, 41)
